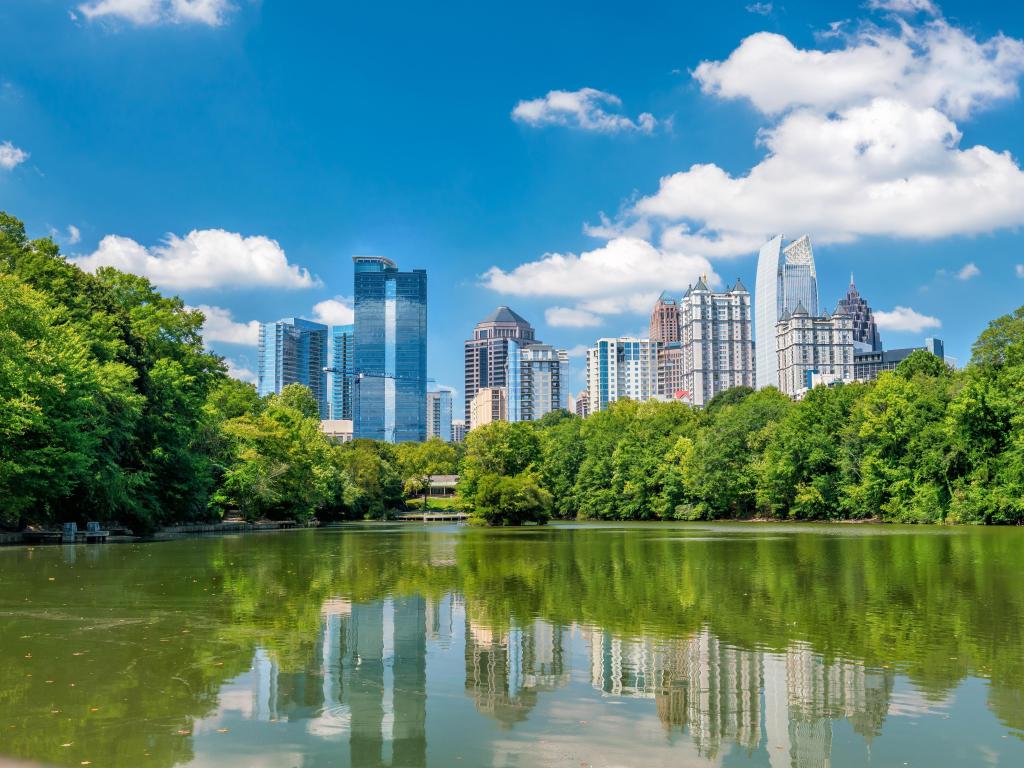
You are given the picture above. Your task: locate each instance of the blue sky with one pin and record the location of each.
(569, 159)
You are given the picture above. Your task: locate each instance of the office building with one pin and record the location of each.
(813, 350)
(717, 343)
(293, 351)
(488, 404)
(867, 365)
(486, 354)
(390, 355)
(865, 331)
(439, 414)
(621, 368)
(341, 378)
(458, 430)
(666, 330)
(583, 404)
(337, 430)
(786, 278)
(535, 376)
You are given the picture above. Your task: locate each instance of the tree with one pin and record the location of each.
(498, 448)
(515, 500)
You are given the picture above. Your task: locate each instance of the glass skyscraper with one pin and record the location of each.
(786, 279)
(439, 414)
(341, 381)
(390, 351)
(293, 351)
(535, 377)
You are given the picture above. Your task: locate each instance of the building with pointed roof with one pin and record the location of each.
(865, 331)
(813, 349)
(486, 354)
(717, 342)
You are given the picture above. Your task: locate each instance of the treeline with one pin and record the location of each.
(922, 444)
(112, 410)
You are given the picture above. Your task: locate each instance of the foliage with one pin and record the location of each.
(511, 500)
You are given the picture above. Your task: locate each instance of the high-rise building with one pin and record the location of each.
(865, 331)
(786, 278)
(341, 379)
(535, 376)
(665, 329)
(621, 368)
(486, 354)
(439, 414)
(293, 351)
(813, 350)
(390, 351)
(488, 404)
(458, 430)
(717, 344)
(583, 404)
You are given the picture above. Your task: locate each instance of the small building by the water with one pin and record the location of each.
(442, 485)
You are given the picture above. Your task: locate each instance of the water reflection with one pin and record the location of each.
(410, 647)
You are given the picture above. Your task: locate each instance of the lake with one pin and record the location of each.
(569, 645)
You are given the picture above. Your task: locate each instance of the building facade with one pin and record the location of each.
(293, 351)
(582, 405)
(813, 350)
(717, 341)
(488, 404)
(786, 278)
(390, 351)
(458, 430)
(867, 365)
(665, 329)
(486, 354)
(865, 330)
(621, 368)
(536, 377)
(341, 378)
(439, 414)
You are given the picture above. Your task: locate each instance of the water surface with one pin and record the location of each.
(571, 645)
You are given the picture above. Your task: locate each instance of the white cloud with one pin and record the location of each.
(208, 258)
(905, 319)
(11, 156)
(584, 109)
(761, 9)
(580, 350)
(336, 311)
(146, 12)
(567, 317)
(905, 6)
(240, 372)
(1019, 270)
(220, 326)
(968, 271)
(74, 235)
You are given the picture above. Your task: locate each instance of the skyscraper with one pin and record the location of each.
(439, 414)
(865, 331)
(340, 381)
(813, 349)
(390, 355)
(293, 351)
(665, 329)
(536, 376)
(486, 354)
(718, 351)
(786, 278)
(621, 368)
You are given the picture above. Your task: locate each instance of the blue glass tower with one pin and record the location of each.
(340, 382)
(293, 351)
(390, 351)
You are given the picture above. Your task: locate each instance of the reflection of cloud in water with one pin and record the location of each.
(913, 703)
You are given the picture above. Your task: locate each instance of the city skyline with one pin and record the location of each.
(208, 189)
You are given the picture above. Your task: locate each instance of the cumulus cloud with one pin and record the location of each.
(147, 12)
(933, 65)
(905, 319)
(336, 311)
(203, 259)
(570, 317)
(624, 275)
(905, 6)
(221, 326)
(968, 271)
(11, 156)
(585, 109)
(240, 372)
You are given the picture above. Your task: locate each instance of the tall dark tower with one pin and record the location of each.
(865, 331)
(487, 351)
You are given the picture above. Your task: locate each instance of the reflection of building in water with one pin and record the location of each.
(697, 683)
(506, 670)
(440, 620)
(804, 694)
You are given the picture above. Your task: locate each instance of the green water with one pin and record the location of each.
(633, 645)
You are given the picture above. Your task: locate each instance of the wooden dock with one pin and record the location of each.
(440, 516)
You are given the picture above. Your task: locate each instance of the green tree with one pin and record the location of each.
(511, 500)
